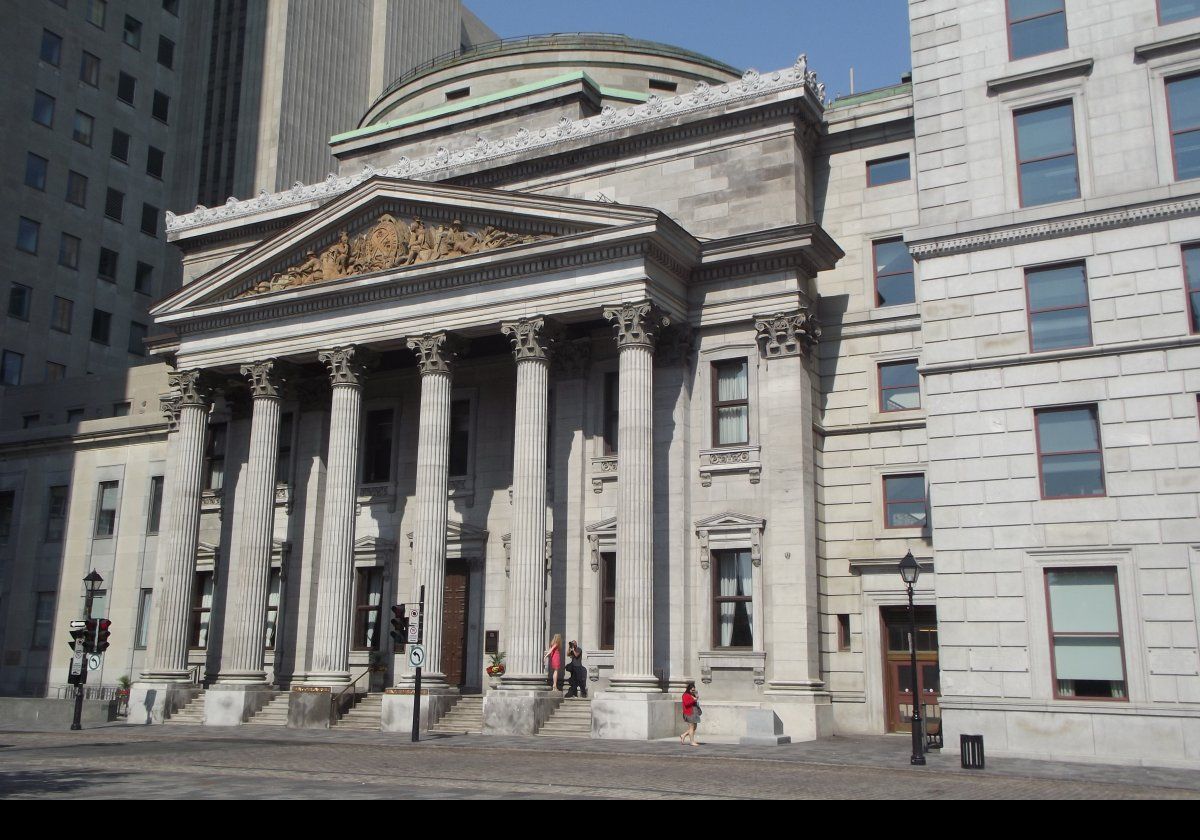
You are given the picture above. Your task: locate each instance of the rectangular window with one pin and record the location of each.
(1070, 460)
(377, 456)
(608, 600)
(60, 315)
(202, 597)
(121, 409)
(28, 421)
(733, 607)
(74, 415)
(19, 298)
(11, 364)
(107, 267)
(1191, 277)
(120, 145)
(101, 326)
(149, 219)
(899, 386)
(887, 171)
(283, 458)
(137, 337)
(1171, 11)
(1036, 27)
(126, 87)
(893, 273)
(142, 634)
(731, 403)
(51, 51)
(43, 109)
(171, 7)
(8, 502)
(97, 12)
(77, 185)
(154, 511)
(143, 279)
(132, 34)
(460, 437)
(166, 52)
(43, 621)
(155, 161)
(214, 457)
(274, 590)
(161, 107)
(107, 496)
(1047, 167)
(89, 69)
(35, 171)
(56, 512)
(1183, 109)
(27, 235)
(843, 637)
(1085, 633)
(904, 503)
(368, 608)
(612, 411)
(81, 129)
(55, 372)
(114, 204)
(1058, 307)
(68, 251)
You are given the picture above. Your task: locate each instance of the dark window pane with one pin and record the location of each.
(1183, 95)
(1045, 132)
(1170, 11)
(377, 466)
(27, 235)
(10, 368)
(1056, 287)
(137, 334)
(60, 315)
(1187, 155)
(114, 204)
(887, 171)
(143, 279)
(101, 326)
(107, 268)
(1071, 462)
(68, 251)
(1058, 307)
(120, 145)
(162, 106)
(154, 162)
(51, 51)
(150, 220)
(89, 70)
(1072, 475)
(893, 274)
(43, 108)
(133, 32)
(1021, 9)
(126, 86)
(1068, 430)
(899, 386)
(19, 297)
(166, 52)
(1060, 328)
(35, 171)
(895, 290)
(1046, 181)
(77, 189)
(1038, 35)
(81, 131)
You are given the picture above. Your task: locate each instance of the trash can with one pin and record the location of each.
(971, 748)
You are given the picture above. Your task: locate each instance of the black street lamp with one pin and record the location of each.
(91, 585)
(910, 570)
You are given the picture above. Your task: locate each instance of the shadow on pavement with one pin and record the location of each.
(53, 783)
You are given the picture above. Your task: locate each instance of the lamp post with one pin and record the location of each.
(91, 584)
(910, 570)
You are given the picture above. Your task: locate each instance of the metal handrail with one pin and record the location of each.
(353, 683)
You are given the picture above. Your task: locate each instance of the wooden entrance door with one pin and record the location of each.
(454, 622)
(898, 675)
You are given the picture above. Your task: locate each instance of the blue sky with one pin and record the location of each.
(869, 35)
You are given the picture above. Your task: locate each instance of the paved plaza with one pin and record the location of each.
(253, 762)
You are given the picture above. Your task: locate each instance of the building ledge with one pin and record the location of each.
(1183, 43)
(1056, 73)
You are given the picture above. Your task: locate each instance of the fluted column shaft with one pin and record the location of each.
(525, 614)
(433, 474)
(633, 666)
(335, 577)
(250, 567)
(176, 564)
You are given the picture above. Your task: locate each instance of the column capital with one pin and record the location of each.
(636, 323)
(436, 352)
(267, 378)
(194, 387)
(347, 365)
(787, 333)
(169, 406)
(532, 338)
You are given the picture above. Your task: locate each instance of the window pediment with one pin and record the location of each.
(730, 530)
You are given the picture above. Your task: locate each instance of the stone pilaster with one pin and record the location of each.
(335, 578)
(155, 696)
(250, 562)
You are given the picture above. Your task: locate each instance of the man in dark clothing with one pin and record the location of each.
(576, 670)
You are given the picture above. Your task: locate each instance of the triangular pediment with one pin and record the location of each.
(390, 227)
(603, 525)
(460, 532)
(373, 547)
(729, 520)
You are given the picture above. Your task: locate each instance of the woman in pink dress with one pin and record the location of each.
(554, 654)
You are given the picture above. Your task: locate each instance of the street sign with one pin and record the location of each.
(77, 659)
(94, 662)
(78, 624)
(414, 624)
(416, 656)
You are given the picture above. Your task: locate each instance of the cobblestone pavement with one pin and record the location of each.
(119, 761)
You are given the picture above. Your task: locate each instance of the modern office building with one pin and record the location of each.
(605, 338)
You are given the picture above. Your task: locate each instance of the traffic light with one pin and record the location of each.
(77, 633)
(89, 641)
(102, 626)
(399, 625)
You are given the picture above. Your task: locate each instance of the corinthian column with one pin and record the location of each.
(435, 357)
(335, 581)
(525, 616)
(250, 563)
(636, 326)
(176, 564)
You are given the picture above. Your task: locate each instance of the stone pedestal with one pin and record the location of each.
(233, 705)
(398, 709)
(635, 717)
(153, 702)
(511, 711)
(806, 715)
(310, 707)
(764, 729)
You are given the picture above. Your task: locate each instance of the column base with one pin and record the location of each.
(397, 713)
(313, 706)
(516, 711)
(633, 717)
(152, 701)
(233, 705)
(635, 684)
(242, 678)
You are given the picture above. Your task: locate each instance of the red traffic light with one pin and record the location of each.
(102, 633)
(399, 624)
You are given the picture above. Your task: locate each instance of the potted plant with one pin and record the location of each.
(495, 668)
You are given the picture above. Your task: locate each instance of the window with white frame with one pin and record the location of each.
(1088, 658)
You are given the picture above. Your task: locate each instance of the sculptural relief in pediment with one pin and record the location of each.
(391, 243)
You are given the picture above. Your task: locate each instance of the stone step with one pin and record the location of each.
(365, 716)
(572, 718)
(191, 714)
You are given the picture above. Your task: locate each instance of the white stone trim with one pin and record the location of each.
(736, 531)
(602, 539)
(754, 661)
(1158, 69)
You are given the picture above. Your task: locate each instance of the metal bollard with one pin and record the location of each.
(971, 749)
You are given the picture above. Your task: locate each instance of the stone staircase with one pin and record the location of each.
(191, 714)
(365, 716)
(274, 713)
(465, 717)
(572, 719)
